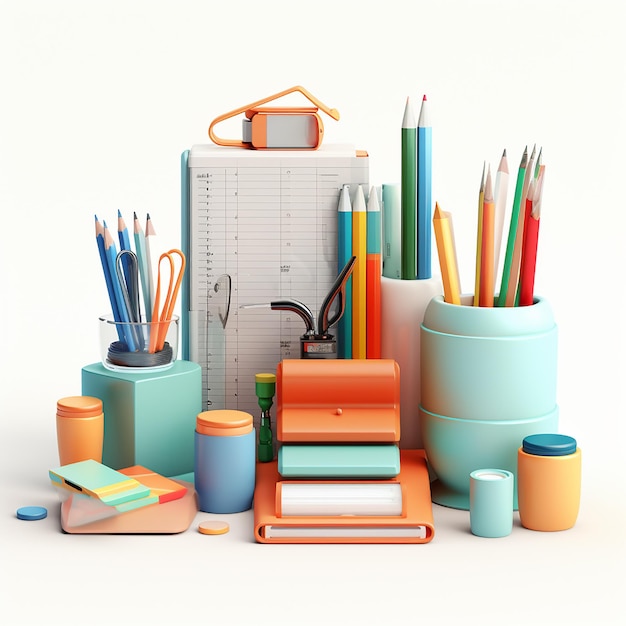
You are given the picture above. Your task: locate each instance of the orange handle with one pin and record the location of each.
(238, 143)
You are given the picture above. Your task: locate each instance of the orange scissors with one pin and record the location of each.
(161, 321)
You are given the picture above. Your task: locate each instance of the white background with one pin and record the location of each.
(98, 100)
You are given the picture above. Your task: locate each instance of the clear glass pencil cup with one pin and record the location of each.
(138, 346)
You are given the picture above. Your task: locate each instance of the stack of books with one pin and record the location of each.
(340, 476)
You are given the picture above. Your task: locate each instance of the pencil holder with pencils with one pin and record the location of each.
(138, 346)
(488, 379)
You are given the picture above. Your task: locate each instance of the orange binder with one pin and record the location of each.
(415, 525)
(338, 400)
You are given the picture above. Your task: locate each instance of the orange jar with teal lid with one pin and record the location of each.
(549, 468)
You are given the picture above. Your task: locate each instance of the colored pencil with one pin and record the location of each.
(359, 276)
(517, 250)
(424, 191)
(479, 237)
(111, 255)
(515, 210)
(446, 249)
(122, 232)
(344, 254)
(487, 246)
(124, 239)
(409, 195)
(107, 276)
(530, 241)
(500, 197)
(140, 248)
(373, 274)
(532, 173)
(391, 230)
(149, 233)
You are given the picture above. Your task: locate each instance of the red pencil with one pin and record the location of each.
(530, 240)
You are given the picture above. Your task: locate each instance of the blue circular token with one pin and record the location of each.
(32, 512)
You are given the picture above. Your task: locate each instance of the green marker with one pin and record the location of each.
(265, 388)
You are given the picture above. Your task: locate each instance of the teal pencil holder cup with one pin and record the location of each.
(488, 379)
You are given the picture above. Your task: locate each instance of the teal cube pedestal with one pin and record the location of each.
(149, 417)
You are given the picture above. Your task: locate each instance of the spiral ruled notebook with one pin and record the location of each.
(257, 226)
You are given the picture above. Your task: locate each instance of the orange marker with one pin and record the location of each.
(359, 277)
(373, 274)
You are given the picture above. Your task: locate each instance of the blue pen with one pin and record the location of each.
(424, 192)
(344, 254)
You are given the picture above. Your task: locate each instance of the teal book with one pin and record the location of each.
(339, 461)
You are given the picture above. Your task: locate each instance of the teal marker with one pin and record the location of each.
(344, 254)
(391, 230)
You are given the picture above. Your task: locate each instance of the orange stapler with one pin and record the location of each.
(278, 128)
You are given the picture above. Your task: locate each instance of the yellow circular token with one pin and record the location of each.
(213, 528)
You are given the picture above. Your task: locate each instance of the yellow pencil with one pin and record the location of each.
(446, 250)
(359, 276)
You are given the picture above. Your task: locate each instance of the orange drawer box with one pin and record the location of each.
(343, 400)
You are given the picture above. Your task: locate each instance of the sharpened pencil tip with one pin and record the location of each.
(119, 213)
(408, 121)
(424, 98)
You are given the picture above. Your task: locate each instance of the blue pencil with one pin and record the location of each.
(107, 275)
(344, 237)
(111, 256)
(122, 233)
(424, 192)
(140, 248)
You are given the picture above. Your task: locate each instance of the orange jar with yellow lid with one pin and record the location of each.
(225, 461)
(80, 429)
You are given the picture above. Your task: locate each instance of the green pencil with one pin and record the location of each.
(510, 246)
(408, 231)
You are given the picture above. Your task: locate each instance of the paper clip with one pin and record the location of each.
(130, 293)
(161, 321)
(285, 128)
